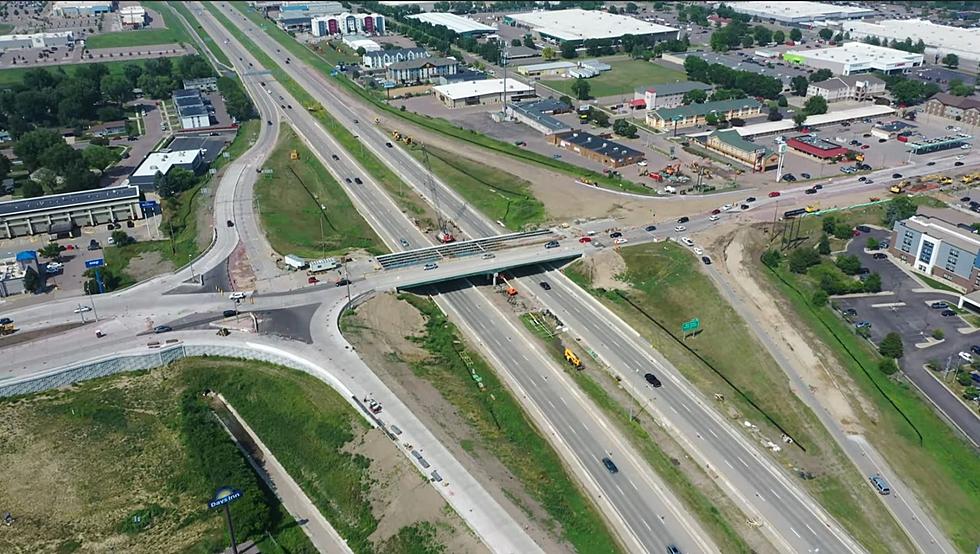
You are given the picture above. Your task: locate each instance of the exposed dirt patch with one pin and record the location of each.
(240, 270)
(604, 268)
(22, 336)
(148, 264)
(378, 331)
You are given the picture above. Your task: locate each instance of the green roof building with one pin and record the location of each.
(695, 114)
(731, 145)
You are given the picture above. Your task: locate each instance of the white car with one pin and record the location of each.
(713, 218)
(680, 228)
(698, 251)
(965, 147)
(54, 267)
(641, 163)
(726, 207)
(687, 241)
(620, 240)
(82, 309)
(237, 295)
(966, 357)
(960, 157)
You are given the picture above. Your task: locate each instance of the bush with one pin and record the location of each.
(872, 283)
(964, 379)
(823, 247)
(802, 259)
(891, 346)
(850, 265)
(819, 299)
(887, 366)
(843, 231)
(772, 258)
(121, 238)
(873, 244)
(938, 334)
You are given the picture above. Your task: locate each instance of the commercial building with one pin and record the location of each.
(850, 87)
(816, 147)
(421, 70)
(32, 216)
(456, 23)
(731, 145)
(695, 114)
(191, 109)
(383, 58)
(109, 129)
(547, 70)
(360, 41)
(956, 108)
(204, 84)
(13, 270)
(938, 144)
(133, 16)
(577, 25)
(799, 12)
(75, 9)
(521, 52)
(939, 39)
(37, 40)
(347, 24)
(298, 17)
(487, 91)
(160, 163)
(814, 121)
(602, 150)
(537, 114)
(891, 129)
(667, 95)
(856, 57)
(937, 246)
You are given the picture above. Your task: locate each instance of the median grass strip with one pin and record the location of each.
(662, 279)
(438, 125)
(499, 194)
(216, 50)
(497, 417)
(304, 211)
(713, 510)
(399, 192)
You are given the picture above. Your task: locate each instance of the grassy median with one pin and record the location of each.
(183, 10)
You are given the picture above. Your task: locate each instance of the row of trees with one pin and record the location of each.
(237, 102)
(908, 91)
(65, 169)
(904, 45)
(752, 84)
(739, 35)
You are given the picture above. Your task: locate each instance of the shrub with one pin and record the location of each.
(887, 366)
(802, 259)
(848, 264)
(772, 258)
(823, 247)
(873, 244)
(891, 346)
(938, 334)
(819, 298)
(872, 283)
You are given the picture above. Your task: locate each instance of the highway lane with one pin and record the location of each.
(391, 223)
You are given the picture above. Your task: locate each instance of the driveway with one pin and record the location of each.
(907, 312)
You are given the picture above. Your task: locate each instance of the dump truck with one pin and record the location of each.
(573, 359)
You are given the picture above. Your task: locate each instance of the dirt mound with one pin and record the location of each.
(385, 311)
(604, 268)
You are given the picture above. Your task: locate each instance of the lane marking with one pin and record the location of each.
(712, 433)
(729, 464)
(774, 494)
(795, 533)
(739, 458)
(811, 529)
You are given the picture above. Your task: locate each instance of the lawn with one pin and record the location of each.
(126, 39)
(304, 210)
(15, 75)
(667, 285)
(622, 79)
(496, 193)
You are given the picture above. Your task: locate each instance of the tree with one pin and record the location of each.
(839, 38)
(711, 118)
(237, 102)
(774, 115)
(782, 102)
(799, 85)
(121, 238)
(938, 334)
(727, 94)
(951, 60)
(568, 50)
(887, 366)
(548, 53)
(799, 119)
(795, 35)
(819, 299)
(98, 157)
(821, 75)
(891, 346)
(513, 42)
(778, 36)
(762, 34)
(567, 100)
(747, 41)
(175, 182)
(823, 247)
(612, 10)
(802, 259)
(872, 283)
(815, 105)
(116, 88)
(52, 250)
(598, 117)
(826, 33)
(850, 265)
(31, 189)
(771, 258)
(624, 128)
(958, 88)
(528, 41)
(581, 89)
(632, 8)
(31, 145)
(842, 231)
(4, 166)
(898, 209)
(696, 96)
(32, 281)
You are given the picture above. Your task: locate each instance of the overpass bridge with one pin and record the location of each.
(462, 249)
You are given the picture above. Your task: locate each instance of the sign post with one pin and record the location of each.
(690, 327)
(224, 497)
(97, 263)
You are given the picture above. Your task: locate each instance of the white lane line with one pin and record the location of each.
(633, 485)
(739, 458)
(774, 494)
(674, 410)
(552, 404)
(795, 533)
(811, 529)
(712, 433)
(560, 397)
(686, 408)
(729, 464)
(647, 525)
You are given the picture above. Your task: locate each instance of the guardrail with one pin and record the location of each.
(457, 249)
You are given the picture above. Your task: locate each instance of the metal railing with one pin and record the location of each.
(460, 249)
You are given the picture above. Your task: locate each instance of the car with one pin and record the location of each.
(289, 106)
(883, 244)
(615, 235)
(930, 163)
(358, 181)
(941, 305)
(388, 144)
(726, 207)
(237, 295)
(965, 199)
(232, 313)
(947, 313)
(585, 240)
(610, 466)
(862, 179)
(706, 260)
(680, 228)
(403, 242)
(650, 228)
(975, 349)
(652, 379)
(866, 135)
(854, 142)
(620, 240)
(110, 227)
(880, 484)
(789, 177)
(162, 329)
(488, 256)
(697, 251)
(684, 219)
(879, 256)
(805, 175)
(810, 191)
(864, 324)
(342, 282)
(268, 122)
(967, 357)
(713, 217)
(5, 321)
(430, 266)
(960, 157)
(230, 223)
(672, 549)
(849, 312)
(687, 241)
(744, 206)
(545, 285)
(312, 280)
(775, 194)
(94, 245)
(750, 199)
(334, 156)
(55, 266)
(958, 164)
(82, 309)
(551, 244)
(896, 175)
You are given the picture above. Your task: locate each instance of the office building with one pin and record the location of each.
(348, 24)
(421, 70)
(76, 9)
(731, 145)
(37, 40)
(938, 246)
(956, 108)
(851, 87)
(191, 109)
(158, 164)
(666, 119)
(667, 95)
(33, 216)
(487, 91)
(133, 16)
(381, 59)
(577, 26)
(596, 148)
(456, 23)
(856, 57)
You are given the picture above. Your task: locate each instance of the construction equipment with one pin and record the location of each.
(812, 208)
(967, 179)
(444, 235)
(294, 154)
(573, 359)
(510, 290)
(7, 328)
(895, 189)
(945, 181)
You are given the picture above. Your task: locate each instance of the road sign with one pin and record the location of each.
(223, 496)
(691, 326)
(98, 262)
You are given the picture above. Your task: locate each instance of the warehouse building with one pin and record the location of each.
(577, 26)
(421, 70)
(850, 87)
(160, 163)
(956, 108)
(935, 245)
(347, 24)
(599, 149)
(37, 40)
(133, 16)
(856, 57)
(538, 115)
(191, 109)
(731, 145)
(204, 84)
(547, 70)
(939, 39)
(797, 13)
(76, 9)
(667, 95)
(458, 24)
(34, 216)
(383, 58)
(816, 147)
(666, 119)
(938, 144)
(487, 91)
(814, 121)
(360, 41)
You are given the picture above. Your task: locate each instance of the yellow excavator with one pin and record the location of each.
(573, 359)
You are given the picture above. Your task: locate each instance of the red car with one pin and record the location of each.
(715, 211)
(585, 240)
(864, 147)
(774, 194)
(312, 280)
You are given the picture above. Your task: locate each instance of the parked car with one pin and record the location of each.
(94, 245)
(229, 313)
(774, 194)
(551, 244)
(230, 223)
(680, 228)
(684, 219)
(947, 313)
(966, 356)
(864, 324)
(713, 217)
(706, 260)
(939, 305)
(879, 256)
(650, 228)
(162, 329)
(615, 235)
(585, 240)
(849, 312)
(805, 175)
(896, 175)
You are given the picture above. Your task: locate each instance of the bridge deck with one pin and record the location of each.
(461, 249)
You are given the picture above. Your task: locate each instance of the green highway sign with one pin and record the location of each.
(691, 326)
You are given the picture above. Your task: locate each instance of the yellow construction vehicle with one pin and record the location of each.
(396, 135)
(812, 208)
(294, 154)
(7, 328)
(945, 181)
(967, 179)
(895, 189)
(573, 359)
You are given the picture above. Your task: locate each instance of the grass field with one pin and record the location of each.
(499, 421)
(667, 285)
(12, 76)
(301, 199)
(126, 39)
(501, 195)
(183, 10)
(625, 76)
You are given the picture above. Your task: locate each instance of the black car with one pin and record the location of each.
(750, 199)
(671, 549)
(5, 321)
(684, 219)
(818, 187)
(348, 180)
(879, 256)
(388, 144)
(230, 223)
(789, 177)
(343, 281)
(610, 465)
(744, 206)
(651, 228)
(229, 313)
(930, 163)
(545, 285)
(947, 313)
(805, 175)
(939, 305)
(849, 312)
(162, 329)
(965, 199)
(358, 181)
(957, 164)
(863, 228)
(810, 191)
(896, 175)
(615, 235)
(652, 379)
(334, 156)
(975, 349)
(94, 245)
(706, 260)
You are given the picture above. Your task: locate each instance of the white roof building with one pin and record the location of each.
(456, 23)
(829, 118)
(162, 163)
(358, 41)
(799, 12)
(481, 92)
(37, 40)
(132, 15)
(577, 25)
(857, 57)
(944, 39)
